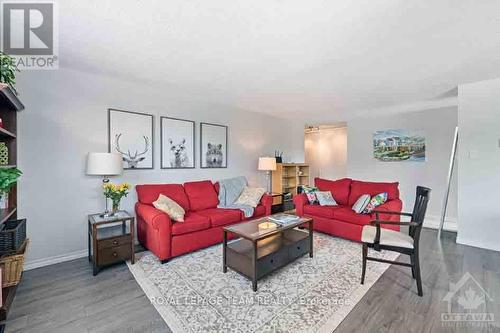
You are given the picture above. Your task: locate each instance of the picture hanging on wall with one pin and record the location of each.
(399, 145)
(213, 150)
(177, 143)
(131, 135)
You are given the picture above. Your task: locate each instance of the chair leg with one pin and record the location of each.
(365, 254)
(416, 266)
(412, 259)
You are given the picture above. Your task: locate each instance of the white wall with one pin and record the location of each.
(439, 127)
(479, 167)
(326, 153)
(66, 117)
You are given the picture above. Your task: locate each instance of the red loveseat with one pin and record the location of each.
(203, 222)
(341, 220)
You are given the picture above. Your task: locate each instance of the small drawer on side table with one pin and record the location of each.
(113, 242)
(111, 255)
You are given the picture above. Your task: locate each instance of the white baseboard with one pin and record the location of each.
(481, 244)
(433, 222)
(32, 264)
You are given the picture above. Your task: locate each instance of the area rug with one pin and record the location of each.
(192, 294)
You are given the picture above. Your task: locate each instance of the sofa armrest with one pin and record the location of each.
(395, 205)
(300, 200)
(153, 217)
(267, 202)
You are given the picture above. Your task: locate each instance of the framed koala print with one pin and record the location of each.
(177, 143)
(213, 150)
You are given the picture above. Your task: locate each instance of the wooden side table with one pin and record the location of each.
(110, 239)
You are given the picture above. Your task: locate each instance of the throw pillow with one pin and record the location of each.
(170, 207)
(376, 201)
(325, 198)
(250, 196)
(360, 204)
(310, 192)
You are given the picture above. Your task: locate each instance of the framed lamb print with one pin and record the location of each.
(177, 143)
(213, 142)
(131, 135)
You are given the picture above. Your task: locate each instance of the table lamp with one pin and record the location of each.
(104, 164)
(267, 164)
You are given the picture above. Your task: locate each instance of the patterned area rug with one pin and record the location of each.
(308, 295)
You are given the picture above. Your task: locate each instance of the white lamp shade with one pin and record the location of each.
(104, 164)
(267, 163)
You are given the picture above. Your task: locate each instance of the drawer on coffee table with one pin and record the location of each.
(299, 248)
(269, 263)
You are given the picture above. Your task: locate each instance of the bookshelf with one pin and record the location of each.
(9, 106)
(286, 179)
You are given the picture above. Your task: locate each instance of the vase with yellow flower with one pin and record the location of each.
(115, 192)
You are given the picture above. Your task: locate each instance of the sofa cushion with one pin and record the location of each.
(221, 216)
(149, 193)
(346, 214)
(201, 195)
(339, 188)
(192, 222)
(358, 188)
(321, 211)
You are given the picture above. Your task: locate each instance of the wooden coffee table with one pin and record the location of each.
(260, 251)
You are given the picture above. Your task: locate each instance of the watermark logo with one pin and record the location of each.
(467, 304)
(30, 33)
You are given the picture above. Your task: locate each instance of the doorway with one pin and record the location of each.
(326, 151)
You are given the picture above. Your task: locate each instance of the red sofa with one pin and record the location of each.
(341, 220)
(203, 220)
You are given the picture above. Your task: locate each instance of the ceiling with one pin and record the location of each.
(318, 60)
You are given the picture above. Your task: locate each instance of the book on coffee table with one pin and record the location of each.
(283, 219)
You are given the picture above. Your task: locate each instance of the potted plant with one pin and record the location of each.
(8, 177)
(8, 71)
(115, 192)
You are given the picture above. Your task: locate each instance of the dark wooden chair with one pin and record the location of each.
(378, 238)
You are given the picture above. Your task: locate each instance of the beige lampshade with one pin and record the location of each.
(267, 163)
(104, 164)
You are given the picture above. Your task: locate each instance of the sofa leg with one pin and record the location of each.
(164, 261)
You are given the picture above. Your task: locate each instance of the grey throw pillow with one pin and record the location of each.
(325, 198)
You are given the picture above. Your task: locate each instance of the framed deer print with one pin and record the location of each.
(131, 135)
(213, 150)
(177, 143)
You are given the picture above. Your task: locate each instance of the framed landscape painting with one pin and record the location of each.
(213, 142)
(131, 135)
(399, 145)
(177, 143)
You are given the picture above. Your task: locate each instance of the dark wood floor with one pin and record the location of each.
(67, 298)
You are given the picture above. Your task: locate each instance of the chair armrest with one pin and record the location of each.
(300, 200)
(267, 202)
(379, 222)
(392, 213)
(153, 217)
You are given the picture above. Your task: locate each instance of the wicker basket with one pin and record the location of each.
(12, 236)
(13, 266)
